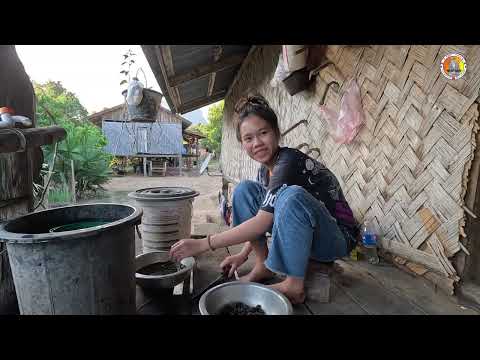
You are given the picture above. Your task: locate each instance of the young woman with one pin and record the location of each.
(295, 198)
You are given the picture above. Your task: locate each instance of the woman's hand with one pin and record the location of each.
(188, 247)
(232, 263)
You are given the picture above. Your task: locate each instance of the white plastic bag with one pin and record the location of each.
(134, 92)
(280, 73)
(345, 125)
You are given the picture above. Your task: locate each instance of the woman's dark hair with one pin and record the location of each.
(254, 104)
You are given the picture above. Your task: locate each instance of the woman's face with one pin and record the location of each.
(258, 139)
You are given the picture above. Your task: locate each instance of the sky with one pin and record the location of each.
(91, 72)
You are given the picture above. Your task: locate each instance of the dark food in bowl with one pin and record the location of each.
(239, 308)
(161, 268)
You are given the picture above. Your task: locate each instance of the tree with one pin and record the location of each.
(213, 128)
(55, 104)
(84, 142)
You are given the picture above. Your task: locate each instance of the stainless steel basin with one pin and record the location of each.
(252, 294)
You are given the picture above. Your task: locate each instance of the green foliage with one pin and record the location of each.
(55, 104)
(84, 142)
(213, 128)
(60, 194)
(128, 61)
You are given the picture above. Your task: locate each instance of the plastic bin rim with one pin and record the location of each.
(9, 237)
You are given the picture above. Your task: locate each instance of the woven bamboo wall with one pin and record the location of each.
(407, 169)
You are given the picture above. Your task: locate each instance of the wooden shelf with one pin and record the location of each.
(11, 142)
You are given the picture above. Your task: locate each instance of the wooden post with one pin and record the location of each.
(74, 192)
(16, 168)
(196, 153)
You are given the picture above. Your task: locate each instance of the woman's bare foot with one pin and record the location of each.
(258, 273)
(292, 288)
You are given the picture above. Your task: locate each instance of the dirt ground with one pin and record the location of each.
(204, 204)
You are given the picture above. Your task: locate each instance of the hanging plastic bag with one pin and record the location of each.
(345, 125)
(134, 92)
(280, 73)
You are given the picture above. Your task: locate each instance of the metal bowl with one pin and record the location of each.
(252, 294)
(160, 281)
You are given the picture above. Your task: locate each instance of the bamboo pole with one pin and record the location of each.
(74, 195)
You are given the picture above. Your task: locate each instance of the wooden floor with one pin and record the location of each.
(358, 289)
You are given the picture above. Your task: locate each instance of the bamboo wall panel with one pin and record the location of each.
(407, 169)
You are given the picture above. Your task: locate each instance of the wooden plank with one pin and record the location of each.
(414, 288)
(167, 57)
(13, 176)
(159, 51)
(149, 302)
(421, 257)
(202, 70)
(375, 299)
(16, 169)
(211, 84)
(340, 304)
(301, 309)
(10, 141)
(441, 282)
(217, 53)
(416, 268)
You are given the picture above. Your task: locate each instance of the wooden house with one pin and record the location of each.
(413, 168)
(188, 154)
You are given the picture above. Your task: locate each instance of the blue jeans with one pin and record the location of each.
(302, 227)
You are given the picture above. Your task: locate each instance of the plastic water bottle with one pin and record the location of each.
(369, 240)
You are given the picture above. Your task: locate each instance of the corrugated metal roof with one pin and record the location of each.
(192, 76)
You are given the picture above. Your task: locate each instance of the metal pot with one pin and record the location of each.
(167, 281)
(252, 294)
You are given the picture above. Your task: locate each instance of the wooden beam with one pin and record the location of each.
(203, 70)
(211, 84)
(192, 105)
(167, 57)
(10, 141)
(217, 53)
(161, 61)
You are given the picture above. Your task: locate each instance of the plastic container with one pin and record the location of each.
(167, 215)
(88, 271)
(369, 241)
